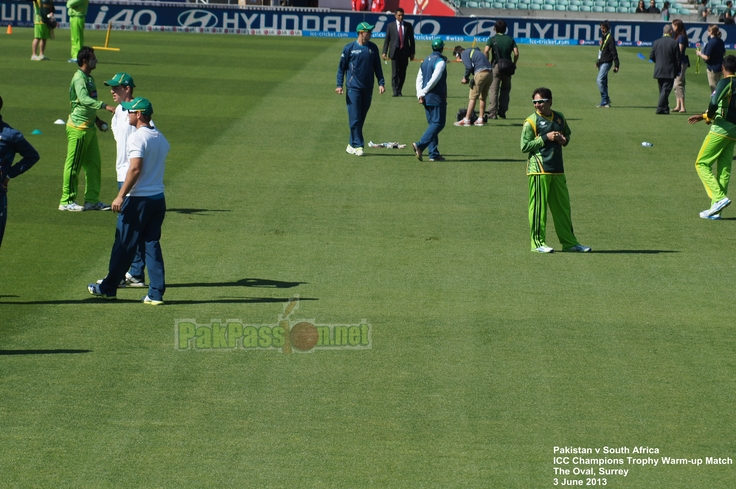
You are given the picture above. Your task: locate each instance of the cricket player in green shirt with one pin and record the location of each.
(719, 144)
(542, 137)
(77, 13)
(83, 150)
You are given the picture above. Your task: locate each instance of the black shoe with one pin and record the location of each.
(502, 115)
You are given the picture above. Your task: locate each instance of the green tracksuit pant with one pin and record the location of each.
(76, 27)
(550, 190)
(83, 151)
(717, 149)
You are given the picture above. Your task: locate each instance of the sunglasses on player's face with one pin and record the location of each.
(540, 101)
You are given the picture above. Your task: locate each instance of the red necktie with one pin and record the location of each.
(401, 36)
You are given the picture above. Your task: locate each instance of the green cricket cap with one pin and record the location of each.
(121, 79)
(364, 26)
(138, 104)
(438, 45)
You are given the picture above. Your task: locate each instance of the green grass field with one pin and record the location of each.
(484, 356)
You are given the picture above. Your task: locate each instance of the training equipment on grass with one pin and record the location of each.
(371, 144)
(107, 47)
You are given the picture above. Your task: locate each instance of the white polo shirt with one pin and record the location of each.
(152, 146)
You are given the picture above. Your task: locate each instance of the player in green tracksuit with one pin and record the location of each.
(542, 137)
(83, 150)
(77, 12)
(719, 144)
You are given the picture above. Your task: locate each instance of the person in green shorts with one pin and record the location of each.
(717, 149)
(77, 12)
(542, 137)
(43, 22)
(83, 151)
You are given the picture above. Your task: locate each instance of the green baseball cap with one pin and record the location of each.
(364, 26)
(438, 45)
(121, 79)
(138, 104)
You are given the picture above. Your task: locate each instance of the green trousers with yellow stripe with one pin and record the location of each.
(550, 190)
(717, 149)
(83, 152)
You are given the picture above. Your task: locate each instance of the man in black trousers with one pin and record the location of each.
(399, 44)
(666, 56)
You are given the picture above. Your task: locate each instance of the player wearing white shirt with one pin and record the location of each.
(141, 205)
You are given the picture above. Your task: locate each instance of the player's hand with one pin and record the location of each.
(695, 119)
(110, 109)
(464, 81)
(615, 70)
(117, 204)
(384, 56)
(5, 183)
(338, 90)
(381, 89)
(421, 100)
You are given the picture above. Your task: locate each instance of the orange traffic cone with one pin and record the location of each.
(10, 28)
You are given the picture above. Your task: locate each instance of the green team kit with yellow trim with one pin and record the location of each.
(718, 145)
(547, 184)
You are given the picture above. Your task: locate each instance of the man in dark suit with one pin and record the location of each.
(399, 44)
(666, 56)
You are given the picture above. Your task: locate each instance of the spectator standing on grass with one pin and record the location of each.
(399, 48)
(141, 206)
(718, 146)
(499, 49)
(77, 13)
(43, 23)
(432, 94)
(666, 56)
(607, 58)
(12, 143)
(543, 135)
(713, 53)
(680, 36)
(360, 61)
(476, 64)
(703, 11)
(653, 8)
(83, 150)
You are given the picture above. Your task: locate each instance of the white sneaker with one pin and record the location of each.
(358, 152)
(718, 207)
(479, 122)
(350, 150)
(464, 122)
(714, 217)
(543, 249)
(148, 300)
(128, 281)
(71, 206)
(577, 249)
(35, 58)
(99, 206)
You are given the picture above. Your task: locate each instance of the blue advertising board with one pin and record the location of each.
(178, 17)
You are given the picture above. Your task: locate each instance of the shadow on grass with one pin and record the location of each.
(100, 300)
(41, 352)
(196, 211)
(633, 252)
(243, 282)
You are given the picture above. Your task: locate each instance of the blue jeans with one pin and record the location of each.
(436, 117)
(139, 221)
(137, 269)
(358, 102)
(603, 82)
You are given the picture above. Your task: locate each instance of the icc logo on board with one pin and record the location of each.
(197, 18)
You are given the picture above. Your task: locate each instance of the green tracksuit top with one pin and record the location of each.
(77, 8)
(721, 112)
(545, 156)
(83, 100)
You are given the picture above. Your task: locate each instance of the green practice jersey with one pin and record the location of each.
(545, 157)
(722, 108)
(83, 100)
